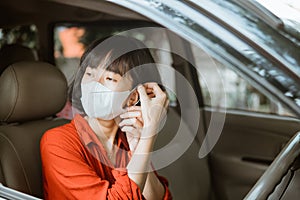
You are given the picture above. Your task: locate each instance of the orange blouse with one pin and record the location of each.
(76, 166)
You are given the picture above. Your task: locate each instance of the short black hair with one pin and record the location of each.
(118, 54)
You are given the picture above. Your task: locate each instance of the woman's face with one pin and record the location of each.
(110, 80)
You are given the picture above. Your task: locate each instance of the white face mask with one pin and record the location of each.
(101, 102)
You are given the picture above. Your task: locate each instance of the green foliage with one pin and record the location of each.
(23, 34)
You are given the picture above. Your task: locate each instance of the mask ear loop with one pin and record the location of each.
(136, 102)
(125, 102)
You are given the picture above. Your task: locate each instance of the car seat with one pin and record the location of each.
(12, 53)
(31, 92)
(189, 175)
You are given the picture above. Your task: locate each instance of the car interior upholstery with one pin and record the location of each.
(26, 112)
(289, 184)
(13, 53)
(195, 182)
(281, 179)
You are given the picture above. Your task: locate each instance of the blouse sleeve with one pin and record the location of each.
(164, 181)
(68, 176)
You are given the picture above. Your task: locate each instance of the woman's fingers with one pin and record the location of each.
(129, 129)
(151, 90)
(150, 93)
(134, 108)
(131, 132)
(157, 93)
(153, 108)
(131, 114)
(131, 122)
(143, 94)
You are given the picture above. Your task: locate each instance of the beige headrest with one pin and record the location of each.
(13, 53)
(31, 90)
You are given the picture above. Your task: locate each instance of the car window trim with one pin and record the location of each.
(256, 45)
(219, 52)
(161, 18)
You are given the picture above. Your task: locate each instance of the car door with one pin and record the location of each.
(247, 116)
(248, 144)
(254, 129)
(248, 126)
(255, 124)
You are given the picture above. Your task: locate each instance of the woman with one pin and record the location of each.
(104, 153)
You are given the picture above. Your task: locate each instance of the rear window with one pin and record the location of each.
(26, 35)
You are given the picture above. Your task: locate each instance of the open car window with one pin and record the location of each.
(71, 39)
(26, 35)
(219, 81)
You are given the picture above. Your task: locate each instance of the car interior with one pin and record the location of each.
(24, 120)
(13, 53)
(34, 92)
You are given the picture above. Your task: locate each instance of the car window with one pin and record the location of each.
(71, 39)
(26, 35)
(289, 13)
(161, 54)
(223, 87)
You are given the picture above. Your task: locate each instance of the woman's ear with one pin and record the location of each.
(133, 98)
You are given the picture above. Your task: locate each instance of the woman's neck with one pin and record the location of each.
(109, 128)
(105, 130)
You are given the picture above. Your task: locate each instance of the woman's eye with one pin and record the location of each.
(111, 79)
(88, 73)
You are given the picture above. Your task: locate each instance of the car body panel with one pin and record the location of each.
(247, 146)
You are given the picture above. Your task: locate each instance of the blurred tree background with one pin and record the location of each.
(25, 35)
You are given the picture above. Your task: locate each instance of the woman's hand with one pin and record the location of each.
(153, 109)
(132, 123)
(153, 106)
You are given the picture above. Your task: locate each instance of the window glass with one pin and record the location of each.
(24, 34)
(159, 40)
(232, 92)
(70, 40)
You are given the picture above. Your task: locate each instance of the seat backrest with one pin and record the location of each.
(12, 53)
(188, 175)
(31, 93)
